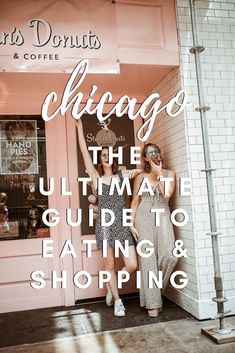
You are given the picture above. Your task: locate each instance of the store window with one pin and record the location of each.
(22, 163)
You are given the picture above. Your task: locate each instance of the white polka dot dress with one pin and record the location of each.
(163, 239)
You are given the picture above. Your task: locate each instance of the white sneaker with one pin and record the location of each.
(109, 297)
(119, 308)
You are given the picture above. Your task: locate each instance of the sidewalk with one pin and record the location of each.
(181, 336)
(91, 328)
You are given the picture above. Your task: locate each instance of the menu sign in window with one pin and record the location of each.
(18, 148)
(22, 163)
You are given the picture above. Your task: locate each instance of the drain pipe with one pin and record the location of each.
(218, 282)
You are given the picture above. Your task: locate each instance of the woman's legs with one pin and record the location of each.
(131, 266)
(130, 262)
(109, 265)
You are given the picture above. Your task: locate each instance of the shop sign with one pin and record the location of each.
(18, 147)
(53, 36)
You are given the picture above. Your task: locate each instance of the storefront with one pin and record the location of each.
(138, 49)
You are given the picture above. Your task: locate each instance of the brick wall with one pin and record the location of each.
(170, 135)
(181, 141)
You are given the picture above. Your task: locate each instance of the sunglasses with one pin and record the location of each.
(155, 151)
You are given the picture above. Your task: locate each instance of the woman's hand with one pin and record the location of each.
(131, 173)
(134, 233)
(156, 168)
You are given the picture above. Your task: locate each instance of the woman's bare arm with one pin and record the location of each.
(92, 172)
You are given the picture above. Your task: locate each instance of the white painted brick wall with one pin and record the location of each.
(181, 143)
(216, 21)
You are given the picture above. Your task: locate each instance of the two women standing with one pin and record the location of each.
(143, 222)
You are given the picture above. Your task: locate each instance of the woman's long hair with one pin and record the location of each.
(99, 166)
(146, 164)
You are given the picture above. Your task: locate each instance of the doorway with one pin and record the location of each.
(124, 134)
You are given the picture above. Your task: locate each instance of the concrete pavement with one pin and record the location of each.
(179, 336)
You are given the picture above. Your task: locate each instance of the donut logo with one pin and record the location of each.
(105, 137)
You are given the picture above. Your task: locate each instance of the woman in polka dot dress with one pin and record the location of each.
(116, 204)
(162, 236)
